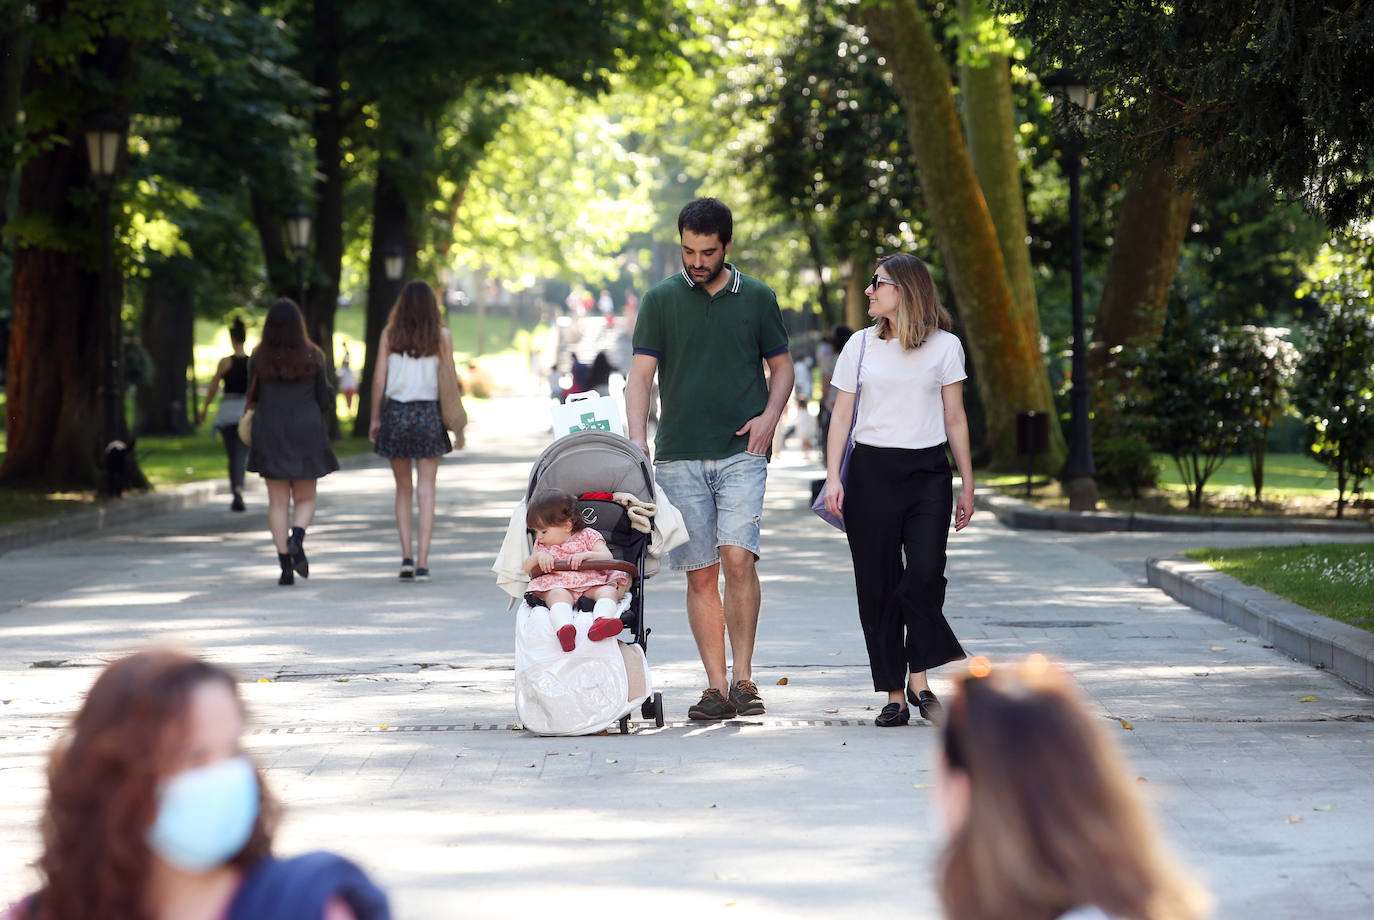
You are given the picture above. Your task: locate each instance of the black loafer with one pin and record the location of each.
(893, 714)
(930, 707)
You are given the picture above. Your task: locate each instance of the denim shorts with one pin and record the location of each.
(721, 502)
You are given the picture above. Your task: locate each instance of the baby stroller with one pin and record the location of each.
(598, 683)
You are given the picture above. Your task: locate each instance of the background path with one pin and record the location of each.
(383, 711)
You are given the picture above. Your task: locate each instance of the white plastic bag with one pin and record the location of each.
(587, 412)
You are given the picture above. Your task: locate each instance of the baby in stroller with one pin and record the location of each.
(562, 536)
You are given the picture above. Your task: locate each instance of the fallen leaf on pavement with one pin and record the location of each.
(1293, 819)
(383, 727)
(1201, 673)
(656, 770)
(834, 653)
(1141, 779)
(264, 680)
(1314, 736)
(782, 681)
(611, 760)
(1126, 725)
(832, 711)
(1308, 699)
(1218, 648)
(922, 785)
(1321, 808)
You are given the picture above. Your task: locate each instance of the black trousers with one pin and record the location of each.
(897, 507)
(237, 453)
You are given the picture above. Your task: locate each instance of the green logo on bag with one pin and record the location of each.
(591, 423)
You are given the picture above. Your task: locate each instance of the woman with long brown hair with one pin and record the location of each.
(897, 501)
(407, 424)
(1043, 818)
(290, 447)
(154, 811)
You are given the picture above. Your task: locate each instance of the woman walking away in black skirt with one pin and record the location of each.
(408, 427)
(896, 504)
(290, 444)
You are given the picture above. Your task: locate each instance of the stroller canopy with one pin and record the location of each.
(593, 461)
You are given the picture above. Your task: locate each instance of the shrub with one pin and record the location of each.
(1334, 390)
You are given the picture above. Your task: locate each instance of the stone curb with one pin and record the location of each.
(1024, 516)
(135, 508)
(1293, 630)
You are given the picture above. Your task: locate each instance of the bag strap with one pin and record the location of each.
(858, 385)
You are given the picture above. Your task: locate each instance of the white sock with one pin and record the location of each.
(560, 615)
(604, 607)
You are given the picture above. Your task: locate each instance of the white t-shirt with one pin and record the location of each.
(412, 379)
(901, 404)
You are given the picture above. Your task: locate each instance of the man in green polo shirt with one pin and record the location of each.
(707, 332)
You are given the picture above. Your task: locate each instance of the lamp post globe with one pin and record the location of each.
(1073, 103)
(394, 263)
(298, 235)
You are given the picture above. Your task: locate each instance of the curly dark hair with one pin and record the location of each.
(707, 216)
(413, 327)
(554, 506)
(285, 352)
(102, 787)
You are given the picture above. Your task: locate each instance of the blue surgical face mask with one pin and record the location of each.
(205, 815)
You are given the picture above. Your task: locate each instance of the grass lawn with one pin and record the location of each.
(1294, 484)
(1333, 579)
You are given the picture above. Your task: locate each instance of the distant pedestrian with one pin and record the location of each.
(348, 381)
(577, 371)
(599, 374)
(290, 444)
(896, 504)
(827, 353)
(232, 372)
(408, 428)
(707, 333)
(1043, 818)
(606, 306)
(154, 811)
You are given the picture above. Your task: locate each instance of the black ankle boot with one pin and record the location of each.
(295, 547)
(287, 578)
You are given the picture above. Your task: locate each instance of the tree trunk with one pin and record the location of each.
(391, 226)
(327, 267)
(1004, 344)
(60, 343)
(855, 302)
(11, 86)
(167, 331)
(269, 217)
(1144, 259)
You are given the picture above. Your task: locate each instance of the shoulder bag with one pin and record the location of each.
(451, 399)
(250, 409)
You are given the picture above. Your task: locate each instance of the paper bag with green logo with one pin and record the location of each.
(587, 412)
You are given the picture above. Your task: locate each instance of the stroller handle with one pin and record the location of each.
(607, 565)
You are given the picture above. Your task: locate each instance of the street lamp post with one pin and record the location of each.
(104, 138)
(1073, 103)
(394, 264)
(298, 235)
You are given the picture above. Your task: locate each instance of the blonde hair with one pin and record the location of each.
(919, 312)
(1053, 822)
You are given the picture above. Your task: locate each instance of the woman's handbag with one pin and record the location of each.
(451, 399)
(246, 420)
(818, 505)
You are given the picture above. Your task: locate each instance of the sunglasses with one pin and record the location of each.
(875, 281)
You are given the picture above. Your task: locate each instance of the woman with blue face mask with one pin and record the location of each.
(155, 812)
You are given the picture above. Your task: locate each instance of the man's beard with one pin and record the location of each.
(709, 278)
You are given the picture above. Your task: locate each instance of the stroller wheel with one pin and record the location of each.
(624, 725)
(658, 710)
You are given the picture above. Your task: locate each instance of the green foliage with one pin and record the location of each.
(1243, 260)
(1262, 366)
(1121, 436)
(834, 157)
(1277, 91)
(1195, 404)
(1334, 391)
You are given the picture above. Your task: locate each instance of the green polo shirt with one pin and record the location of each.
(710, 352)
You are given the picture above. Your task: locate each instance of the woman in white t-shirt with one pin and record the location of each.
(1043, 818)
(897, 501)
(408, 428)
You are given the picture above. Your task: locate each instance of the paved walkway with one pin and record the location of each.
(383, 711)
